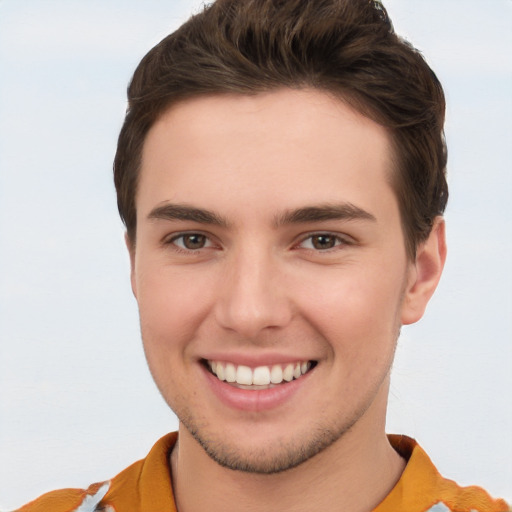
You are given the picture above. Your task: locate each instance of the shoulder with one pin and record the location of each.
(454, 498)
(422, 488)
(145, 483)
(70, 500)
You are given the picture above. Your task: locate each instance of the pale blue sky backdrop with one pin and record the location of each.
(77, 403)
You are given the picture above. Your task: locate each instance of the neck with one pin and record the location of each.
(354, 474)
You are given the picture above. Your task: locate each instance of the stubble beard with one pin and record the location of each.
(278, 455)
(263, 462)
(281, 454)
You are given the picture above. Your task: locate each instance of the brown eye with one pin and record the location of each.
(322, 242)
(194, 241)
(191, 242)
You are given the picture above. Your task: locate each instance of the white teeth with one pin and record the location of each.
(276, 374)
(288, 373)
(230, 373)
(244, 375)
(259, 376)
(220, 372)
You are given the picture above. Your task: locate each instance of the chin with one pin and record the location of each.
(274, 456)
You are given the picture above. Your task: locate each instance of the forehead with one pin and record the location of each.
(292, 147)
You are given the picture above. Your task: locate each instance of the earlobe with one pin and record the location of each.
(428, 267)
(130, 245)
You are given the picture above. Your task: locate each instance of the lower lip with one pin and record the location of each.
(254, 400)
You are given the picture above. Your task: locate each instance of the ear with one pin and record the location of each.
(425, 273)
(130, 245)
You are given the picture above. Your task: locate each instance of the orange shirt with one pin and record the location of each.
(146, 487)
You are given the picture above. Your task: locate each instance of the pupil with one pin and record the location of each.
(194, 241)
(323, 242)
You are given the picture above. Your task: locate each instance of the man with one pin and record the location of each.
(281, 175)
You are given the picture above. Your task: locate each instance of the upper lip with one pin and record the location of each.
(255, 360)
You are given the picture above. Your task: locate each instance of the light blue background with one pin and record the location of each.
(77, 403)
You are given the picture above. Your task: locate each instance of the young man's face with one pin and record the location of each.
(269, 244)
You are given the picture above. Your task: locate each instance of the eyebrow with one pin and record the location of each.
(343, 211)
(185, 212)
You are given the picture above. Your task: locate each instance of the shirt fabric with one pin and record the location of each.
(146, 487)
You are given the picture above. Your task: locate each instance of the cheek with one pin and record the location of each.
(171, 307)
(168, 321)
(355, 308)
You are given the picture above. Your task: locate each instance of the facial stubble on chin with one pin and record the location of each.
(283, 454)
(271, 460)
(263, 462)
(289, 454)
(279, 456)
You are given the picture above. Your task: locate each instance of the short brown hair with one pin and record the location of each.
(345, 47)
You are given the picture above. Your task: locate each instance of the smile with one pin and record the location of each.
(259, 377)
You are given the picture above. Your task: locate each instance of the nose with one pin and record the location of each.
(252, 297)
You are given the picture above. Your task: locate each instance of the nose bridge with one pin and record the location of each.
(253, 296)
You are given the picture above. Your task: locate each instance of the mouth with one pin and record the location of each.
(260, 377)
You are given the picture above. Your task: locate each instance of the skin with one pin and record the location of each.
(263, 276)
